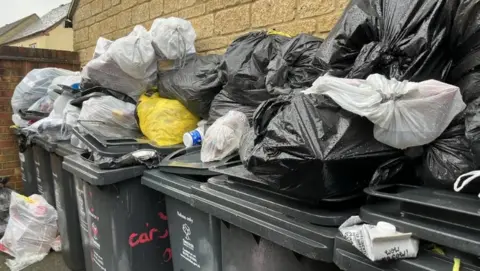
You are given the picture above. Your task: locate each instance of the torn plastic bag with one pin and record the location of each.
(173, 38)
(149, 158)
(109, 117)
(301, 146)
(224, 102)
(34, 86)
(406, 114)
(296, 66)
(164, 121)
(223, 137)
(43, 105)
(406, 40)
(448, 157)
(246, 62)
(31, 230)
(194, 84)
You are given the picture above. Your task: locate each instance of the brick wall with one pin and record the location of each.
(15, 63)
(217, 22)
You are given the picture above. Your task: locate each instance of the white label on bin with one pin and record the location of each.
(188, 249)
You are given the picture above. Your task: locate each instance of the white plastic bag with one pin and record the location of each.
(102, 46)
(173, 38)
(34, 86)
(31, 230)
(18, 121)
(44, 105)
(405, 114)
(109, 117)
(134, 54)
(223, 137)
(128, 65)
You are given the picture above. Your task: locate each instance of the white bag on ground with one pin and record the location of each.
(34, 86)
(405, 114)
(31, 230)
(223, 137)
(380, 242)
(109, 117)
(173, 38)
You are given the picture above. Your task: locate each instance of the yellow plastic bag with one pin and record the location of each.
(164, 121)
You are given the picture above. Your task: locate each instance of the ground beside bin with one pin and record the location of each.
(53, 262)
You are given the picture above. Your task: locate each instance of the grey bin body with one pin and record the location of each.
(43, 169)
(27, 165)
(66, 202)
(194, 235)
(124, 224)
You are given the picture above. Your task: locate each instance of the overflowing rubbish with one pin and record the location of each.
(295, 66)
(303, 144)
(173, 38)
(149, 158)
(405, 114)
(31, 231)
(405, 40)
(195, 83)
(379, 242)
(5, 194)
(164, 121)
(223, 137)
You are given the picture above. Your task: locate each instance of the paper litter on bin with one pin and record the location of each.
(380, 242)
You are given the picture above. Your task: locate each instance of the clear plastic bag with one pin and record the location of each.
(68, 80)
(109, 117)
(405, 114)
(31, 230)
(173, 38)
(223, 137)
(34, 86)
(128, 66)
(44, 105)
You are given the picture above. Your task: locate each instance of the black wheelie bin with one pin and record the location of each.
(43, 168)
(27, 163)
(259, 230)
(66, 202)
(124, 224)
(194, 235)
(445, 218)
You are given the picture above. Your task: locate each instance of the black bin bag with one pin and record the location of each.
(465, 49)
(194, 84)
(296, 66)
(406, 40)
(308, 147)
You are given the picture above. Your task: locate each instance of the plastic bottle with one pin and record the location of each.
(195, 137)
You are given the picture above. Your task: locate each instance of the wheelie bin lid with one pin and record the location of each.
(238, 173)
(114, 147)
(44, 143)
(187, 161)
(89, 172)
(311, 241)
(433, 215)
(347, 257)
(172, 185)
(65, 148)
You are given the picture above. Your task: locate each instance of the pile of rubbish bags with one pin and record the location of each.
(391, 94)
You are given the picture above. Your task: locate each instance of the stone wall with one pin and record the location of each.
(15, 63)
(217, 22)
